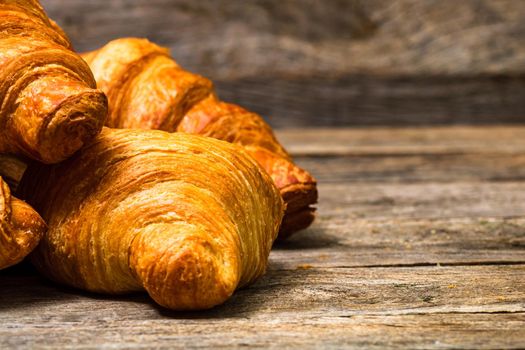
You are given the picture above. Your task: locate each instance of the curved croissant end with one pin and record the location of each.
(187, 218)
(148, 90)
(20, 228)
(49, 104)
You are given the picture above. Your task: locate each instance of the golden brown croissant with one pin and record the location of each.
(146, 89)
(20, 228)
(49, 105)
(187, 218)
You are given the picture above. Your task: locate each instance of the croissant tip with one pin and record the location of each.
(76, 121)
(186, 280)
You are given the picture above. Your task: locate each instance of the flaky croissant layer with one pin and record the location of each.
(147, 89)
(49, 105)
(20, 228)
(187, 218)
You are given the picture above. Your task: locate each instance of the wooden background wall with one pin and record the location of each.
(333, 62)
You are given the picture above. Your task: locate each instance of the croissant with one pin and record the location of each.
(187, 218)
(20, 228)
(146, 89)
(49, 103)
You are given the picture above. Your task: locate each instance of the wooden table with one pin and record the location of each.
(419, 242)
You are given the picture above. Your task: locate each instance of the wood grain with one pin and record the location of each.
(423, 200)
(408, 155)
(342, 241)
(442, 304)
(439, 331)
(378, 100)
(389, 141)
(304, 63)
(416, 168)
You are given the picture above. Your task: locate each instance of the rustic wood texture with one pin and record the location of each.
(355, 62)
(372, 100)
(410, 154)
(333, 38)
(426, 254)
(426, 307)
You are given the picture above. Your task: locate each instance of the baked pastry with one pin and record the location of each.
(148, 90)
(49, 103)
(187, 218)
(20, 228)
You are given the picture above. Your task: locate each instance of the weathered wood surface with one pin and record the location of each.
(381, 141)
(426, 258)
(300, 38)
(370, 100)
(473, 306)
(355, 62)
(340, 241)
(449, 154)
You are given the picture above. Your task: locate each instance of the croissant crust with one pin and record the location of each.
(187, 218)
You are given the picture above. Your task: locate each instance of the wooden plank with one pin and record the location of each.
(371, 100)
(288, 308)
(416, 168)
(341, 241)
(339, 291)
(436, 154)
(422, 200)
(353, 62)
(479, 331)
(381, 141)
